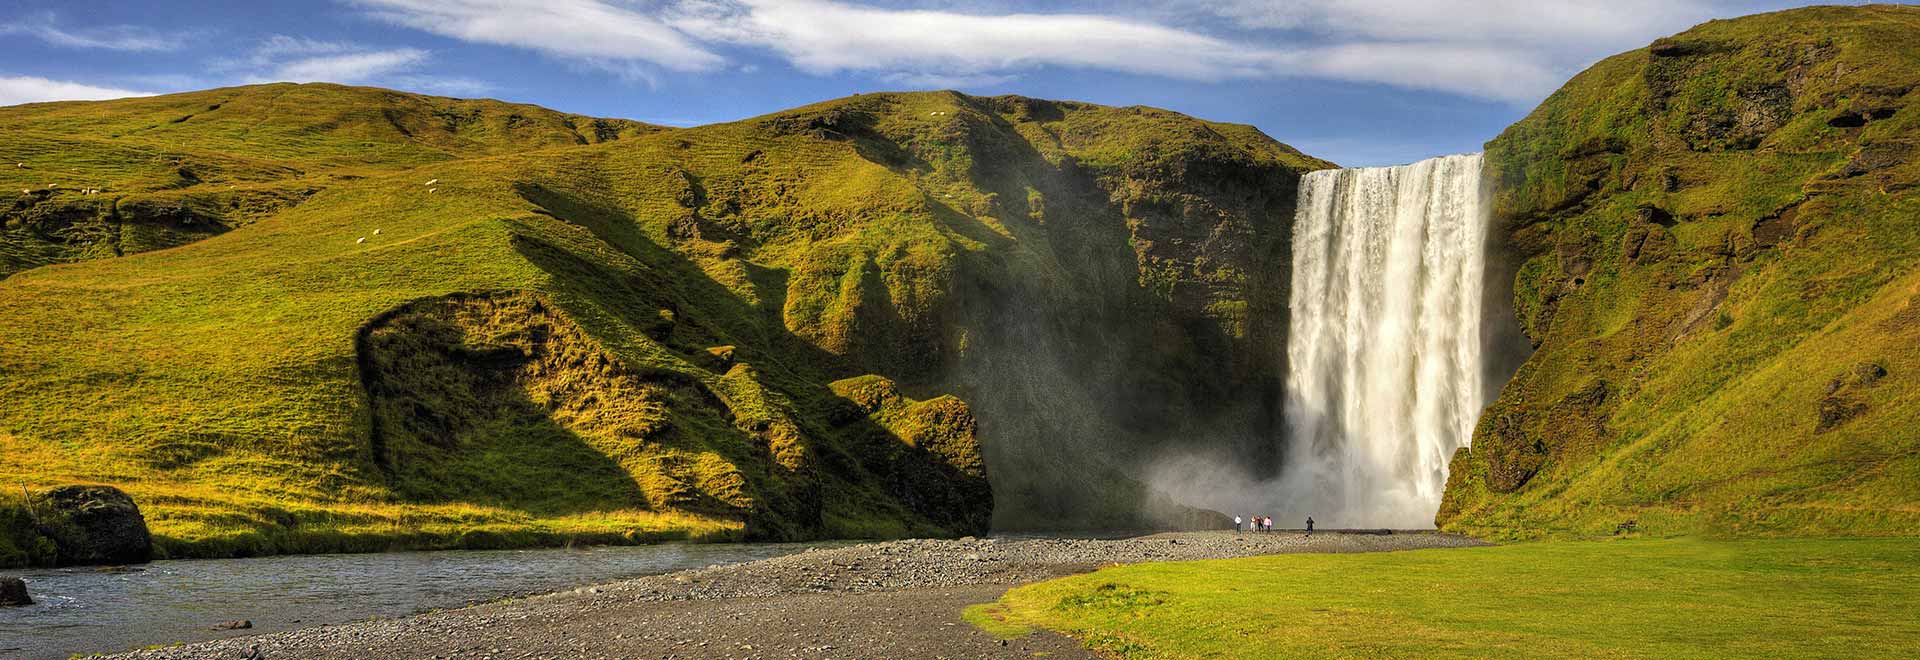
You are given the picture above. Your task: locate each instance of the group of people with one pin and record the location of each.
(1262, 524)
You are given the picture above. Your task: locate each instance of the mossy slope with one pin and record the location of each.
(1717, 241)
(741, 329)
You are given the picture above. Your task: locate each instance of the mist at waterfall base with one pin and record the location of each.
(1387, 353)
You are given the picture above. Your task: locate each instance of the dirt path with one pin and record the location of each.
(899, 599)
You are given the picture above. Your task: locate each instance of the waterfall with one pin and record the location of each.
(1384, 365)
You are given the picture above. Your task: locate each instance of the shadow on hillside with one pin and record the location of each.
(867, 467)
(448, 380)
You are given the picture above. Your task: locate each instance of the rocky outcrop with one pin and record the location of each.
(464, 388)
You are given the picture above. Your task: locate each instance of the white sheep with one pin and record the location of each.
(363, 239)
(376, 232)
(429, 183)
(433, 190)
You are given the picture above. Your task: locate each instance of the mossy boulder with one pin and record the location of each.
(93, 525)
(13, 592)
(1714, 246)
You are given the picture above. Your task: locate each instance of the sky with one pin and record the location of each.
(1355, 82)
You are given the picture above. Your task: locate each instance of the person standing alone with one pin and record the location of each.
(1309, 526)
(1236, 524)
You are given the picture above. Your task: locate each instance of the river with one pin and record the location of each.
(89, 610)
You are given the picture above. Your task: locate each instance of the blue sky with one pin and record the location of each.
(1356, 82)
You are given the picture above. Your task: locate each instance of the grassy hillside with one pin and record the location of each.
(1677, 598)
(1718, 241)
(89, 180)
(747, 329)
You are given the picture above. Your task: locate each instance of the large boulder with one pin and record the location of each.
(94, 525)
(13, 592)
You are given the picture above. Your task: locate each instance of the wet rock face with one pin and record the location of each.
(13, 592)
(94, 525)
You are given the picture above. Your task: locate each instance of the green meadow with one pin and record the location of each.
(1638, 598)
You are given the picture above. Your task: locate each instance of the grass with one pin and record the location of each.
(1670, 598)
(1735, 273)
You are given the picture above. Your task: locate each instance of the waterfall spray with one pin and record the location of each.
(1384, 365)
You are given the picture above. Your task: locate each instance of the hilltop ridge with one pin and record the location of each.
(86, 180)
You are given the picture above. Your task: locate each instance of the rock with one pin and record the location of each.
(241, 624)
(721, 357)
(13, 592)
(94, 525)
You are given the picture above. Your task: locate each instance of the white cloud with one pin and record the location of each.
(1484, 72)
(1515, 50)
(1510, 50)
(945, 80)
(281, 58)
(110, 37)
(586, 30)
(281, 45)
(929, 48)
(350, 67)
(445, 85)
(828, 37)
(1556, 22)
(15, 90)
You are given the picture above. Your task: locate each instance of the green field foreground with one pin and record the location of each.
(1673, 598)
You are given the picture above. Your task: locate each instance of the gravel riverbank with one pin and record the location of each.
(877, 600)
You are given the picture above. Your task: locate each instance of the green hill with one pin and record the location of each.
(174, 169)
(1718, 246)
(444, 337)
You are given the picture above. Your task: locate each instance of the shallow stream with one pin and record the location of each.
(89, 610)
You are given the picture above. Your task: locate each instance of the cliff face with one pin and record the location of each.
(839, 320)
(1716, 238)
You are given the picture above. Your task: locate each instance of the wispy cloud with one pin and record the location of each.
(829, 37)
(607, 35)
(350, 67)
(282, 58)
(1516, 50)
(1559, 23)
(1509, 50)
(15, 90)
(110, 37)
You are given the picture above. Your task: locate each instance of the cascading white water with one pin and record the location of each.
(1384, 366)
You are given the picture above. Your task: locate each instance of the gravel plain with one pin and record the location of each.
(897, 599)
